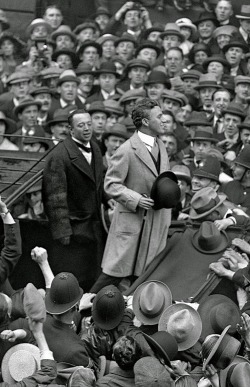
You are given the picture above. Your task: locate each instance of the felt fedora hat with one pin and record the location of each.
(97, 106)
(203, 134)
(89, 43)
(27, 101)
(157, 27)
(157, 76)
(11, 126)
(244, 12)
(236, 42)
(113, 107)
(204, 202)
(236, 379)
(108, 308)
(41, 90)
(107, 68)
(217, 312)
(209, 240)
(183, 323)
(64, 293)
(84, 68)
(209, 168)
(68, 76)
(148, 44)
(216, 58)
(198, 119)
(235, 109)
(245, 124)
(63, 30)
(193, 74)
(149, 301)
(118, 130)
(19, 362)
(172, 29)
(244, 157)
(86, 24)
(137, 63)
(101, 11)
(220, 350)
(182, 173)
(207, 80)
(165, 191)
(164, 345)
(204, 16)
(60, 115)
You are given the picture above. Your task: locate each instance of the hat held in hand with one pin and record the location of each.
(165, 191)
(33, 303)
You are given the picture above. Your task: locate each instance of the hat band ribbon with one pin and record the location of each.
(207, 207)
(151, 314)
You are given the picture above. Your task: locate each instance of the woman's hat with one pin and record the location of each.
(18, 43)
(225, 30)
(219, 350)
(64, 293)
(150, 299)
(164, 345)
(183, 322)
(217, 312)
(209, 240)
(108, 308)
(185, 22)
(172, 29)
(205, 201)
(165, 191)
(20, 361)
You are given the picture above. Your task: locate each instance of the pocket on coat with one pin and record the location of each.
(127, 223)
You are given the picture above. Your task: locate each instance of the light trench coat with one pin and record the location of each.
(132, 174)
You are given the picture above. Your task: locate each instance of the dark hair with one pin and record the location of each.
(169, 113)
(53, 6)
(170, 134)
(142, 110)
(126, 352)
(74, 113)
(176, 49)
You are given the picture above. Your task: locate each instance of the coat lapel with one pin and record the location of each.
(78, 159)
(142, 152)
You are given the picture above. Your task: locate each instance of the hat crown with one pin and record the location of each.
(223, 314)
(181, 170)
(180, 324)
(208, 78)
(167, 342)
(210, 168)
(64, 288)
(245, 8)
(172, 27)
(22, 364)
(165, 191)
(209, 236)
(107, 66)
(152, 300)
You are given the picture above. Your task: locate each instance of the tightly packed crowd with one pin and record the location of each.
(141, 125)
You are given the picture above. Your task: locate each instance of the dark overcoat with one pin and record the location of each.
(72, 195)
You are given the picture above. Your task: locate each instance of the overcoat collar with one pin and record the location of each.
(80, 161)
(142, 152)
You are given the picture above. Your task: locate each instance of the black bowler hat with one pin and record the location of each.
(158, 77)
(165, 191)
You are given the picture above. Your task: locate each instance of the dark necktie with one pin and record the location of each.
(85, 148)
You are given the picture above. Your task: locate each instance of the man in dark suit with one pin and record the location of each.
(67, 88)
(72, 195)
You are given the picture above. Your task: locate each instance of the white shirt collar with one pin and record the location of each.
(148, 140)
(64, 104)
(107, 95)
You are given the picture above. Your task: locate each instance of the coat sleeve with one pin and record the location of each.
(55, 196)
(115, 180)
(11, 251)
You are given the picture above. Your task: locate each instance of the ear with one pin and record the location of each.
(145, 121)
(106, 142)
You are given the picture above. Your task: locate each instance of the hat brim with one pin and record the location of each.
(69, 78)
(215, 21)
(22, 106)
(158, 349)
(193, 336)
(224, 243)
(53, 308)
(136, 302)
(45, 24)
(194, 215)
(243, 46)
(71, 54)
(154, 47)
(172, 32)
(11, 126)
(117, 134)
(200, 173)
(25, 347)
(170, 175)
(224, 373)
(55, 34)
(181, 176)
(201, 86)
(97, 73)
(219, 60)
(90, 44)
(206, 306)
(215, 347)
(211, 139)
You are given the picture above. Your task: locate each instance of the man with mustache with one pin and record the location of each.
(44, 95)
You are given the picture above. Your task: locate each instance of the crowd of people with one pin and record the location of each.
(141, 126)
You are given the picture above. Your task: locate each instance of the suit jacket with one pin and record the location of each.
(132, 174)
(11, 251)
(8, 109)
(72, 192)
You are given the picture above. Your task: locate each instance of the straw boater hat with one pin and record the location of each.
(244, 12)
(185, 22)
(19, 362)
(183, 323)
(149, 301)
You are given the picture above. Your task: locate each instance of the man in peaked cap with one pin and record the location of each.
(136, 71)
(67, 85)
(238, 190)
(86, 76)
(190, 80)
(19, 83)
(242, 91)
